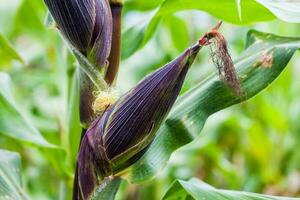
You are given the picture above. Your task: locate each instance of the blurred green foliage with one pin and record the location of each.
(253, 146)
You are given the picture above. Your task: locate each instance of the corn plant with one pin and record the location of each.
(110, 138)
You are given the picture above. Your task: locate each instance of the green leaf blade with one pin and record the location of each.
(200, 190)
(7, 53)
(245, 13)
(12, 121)
(225, 10)
(74, 127)
(260, 64)
(10, 177)
(134, 38)
(288, 11)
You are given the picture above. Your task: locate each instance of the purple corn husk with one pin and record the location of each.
(86, 24)
(122, 133)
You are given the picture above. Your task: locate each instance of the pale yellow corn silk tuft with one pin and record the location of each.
(104, 99)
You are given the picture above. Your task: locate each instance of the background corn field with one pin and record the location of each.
(253, 146)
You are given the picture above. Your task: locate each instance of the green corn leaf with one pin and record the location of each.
(7, 53)
(10, 177)
(246, 12)
(288, 11)
(7, 15)
(178, 31)
(73, 117)
(260, 64)
(131, 5)
(12, 122)
(137, 36)
(196, 189)
(31, 24)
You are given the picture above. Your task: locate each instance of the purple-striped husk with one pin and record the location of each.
(122, 133)
(86, 25)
